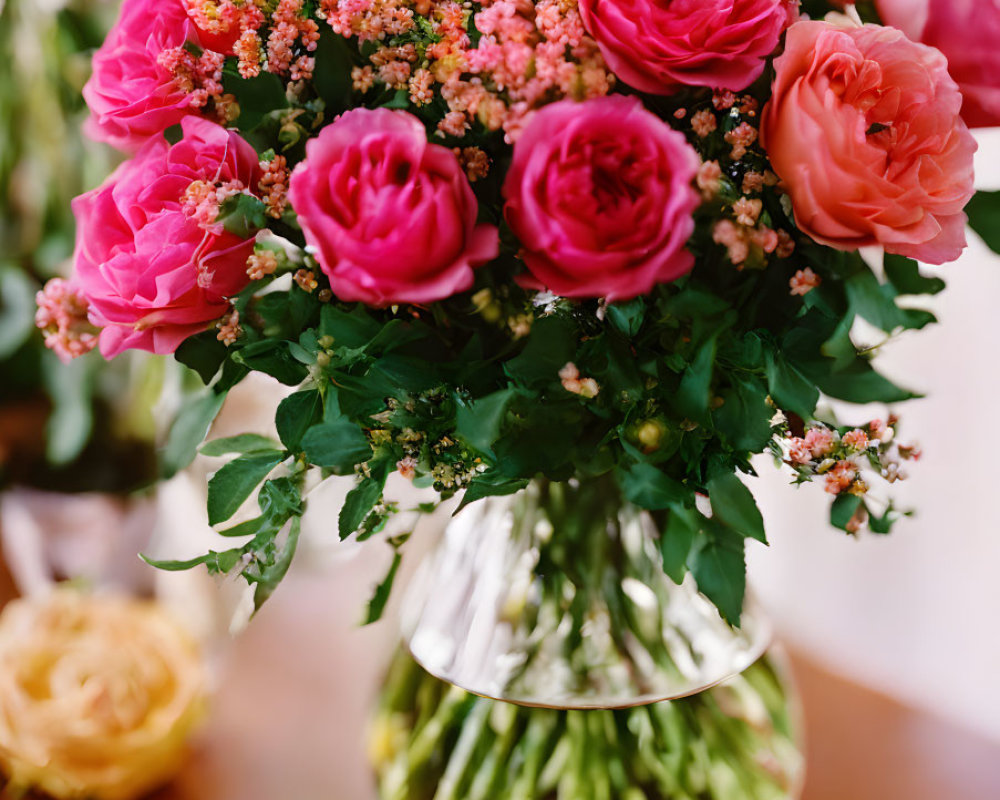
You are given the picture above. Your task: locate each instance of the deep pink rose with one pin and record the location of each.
(864, 130)
(152, 274)
(132, 97)
(392, 217)
(657, 46)
(600, 195)
(968, 33)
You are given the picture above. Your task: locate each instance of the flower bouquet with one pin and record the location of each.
(578, 261)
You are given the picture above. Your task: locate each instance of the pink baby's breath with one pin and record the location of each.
(62, 317)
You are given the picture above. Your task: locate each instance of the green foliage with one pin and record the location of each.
(232, 484)
(733, 505)
(361, 500)
(189, 430)
(295, 415)
(648, 487)
(71, 387)
(243, 443)
(264, 560)
(243, 215)
(719, 567)
(17, 305)
(336, 445)
(376, 606)
(984, 218)
(843, 509)
(677, 538)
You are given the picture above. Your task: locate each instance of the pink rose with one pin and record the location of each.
(132, 97)
(864, 130)
(153, 272)
(658, 46)
(600, 195)
(392, 218)
(968, 33)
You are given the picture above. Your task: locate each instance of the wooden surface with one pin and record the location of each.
(294, 691)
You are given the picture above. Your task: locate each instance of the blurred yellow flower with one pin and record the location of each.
(98, 695)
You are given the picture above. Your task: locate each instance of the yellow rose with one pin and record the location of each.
(97, 695)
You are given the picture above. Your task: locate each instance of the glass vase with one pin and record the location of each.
(556, 597)
(736, 741)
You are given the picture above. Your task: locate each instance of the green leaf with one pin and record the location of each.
(177, 566)
(551, 344)
(252, 527)
(216, 562)
(272, 358)
(203, 353)
(745, 416)
(339, 445)
(839, 346)
(274, 573)
(478, 423)
(71, 423)
(843, 509)
(257, 97)
(904, 274)
(648, 487)
(295, 415)
(244, 443)
(362, 499)
(869, 301)
(694, 392)
(677, 539)
(719, 569)
(280, 498)
(352, 329)
(376, 606)
(861, 384)
(882, 525)
(490, 484)
(791, 390)
(17, 309)
(984, 218)
(332, 75)
(733, 505)
(242, 215)
(233, 483)
(188, 431)
(627, 318)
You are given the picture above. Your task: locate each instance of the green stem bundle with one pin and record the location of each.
(734, 742)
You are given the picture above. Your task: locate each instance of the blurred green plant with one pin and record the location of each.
(87, 426)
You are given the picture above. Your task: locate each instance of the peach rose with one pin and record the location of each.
(864, 130)
(97, 695)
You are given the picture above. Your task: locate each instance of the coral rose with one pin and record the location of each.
(131, 96)
(97, 695)
(658, 46)
(392, 217)
(153, 271)
(968, 33)
(600, 194)
(864, 130)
